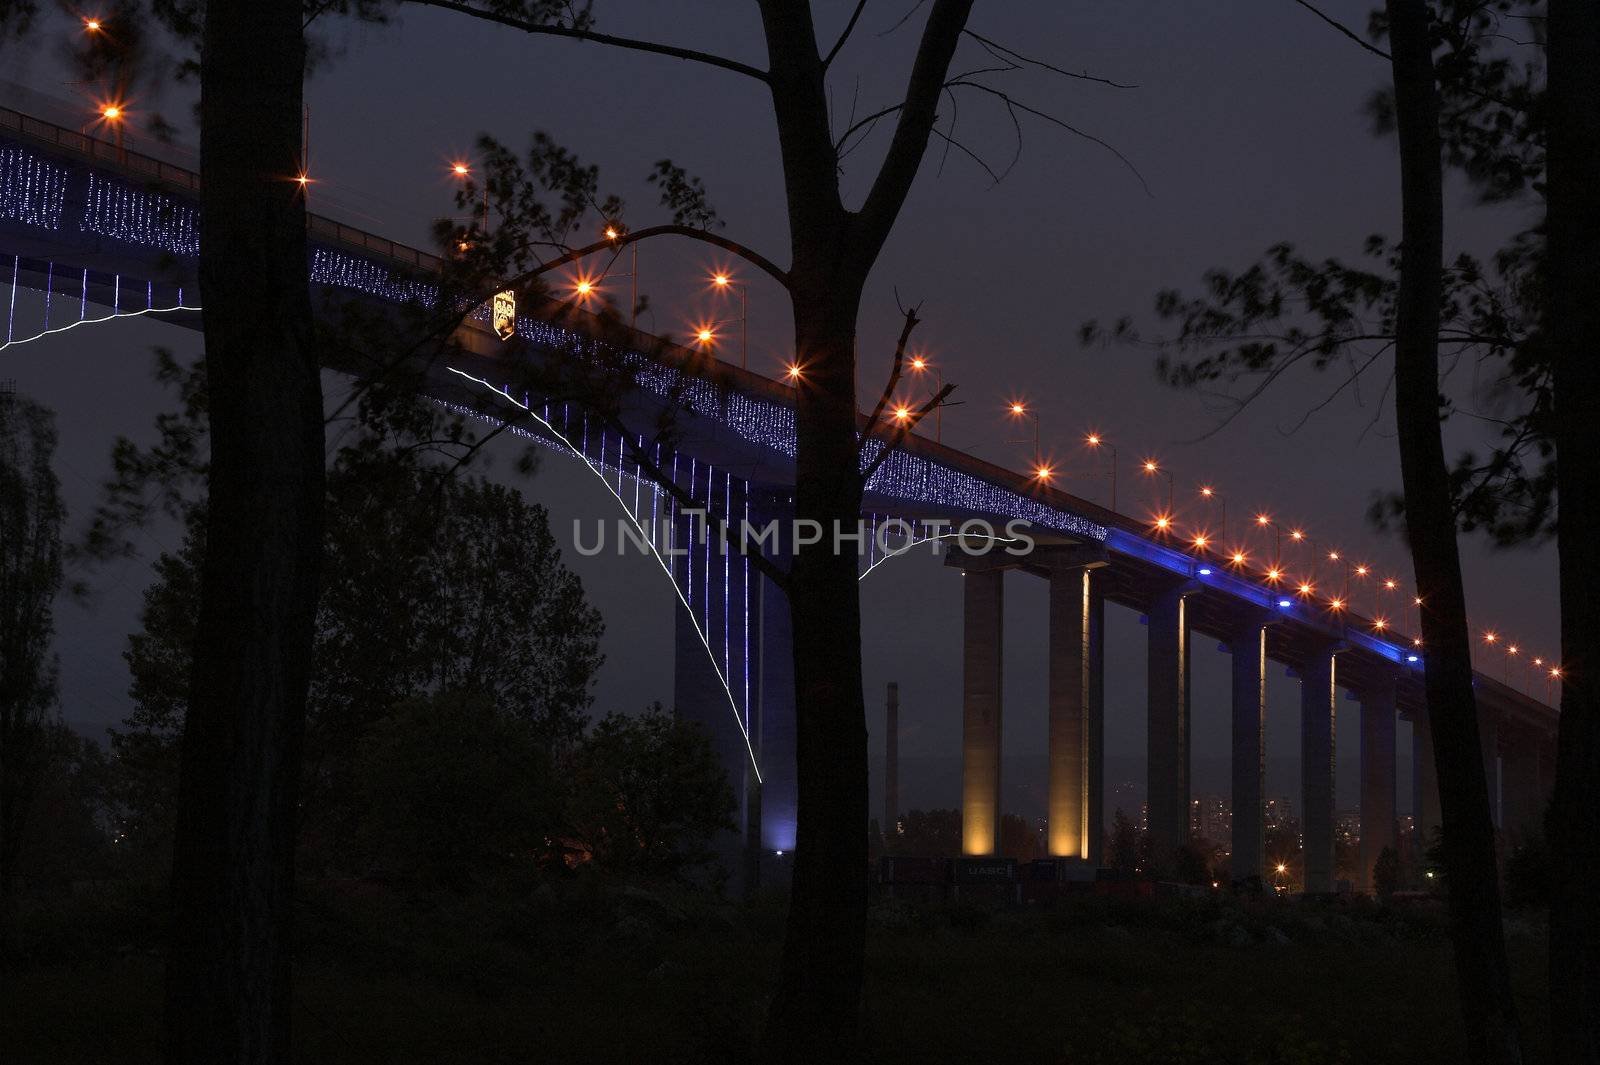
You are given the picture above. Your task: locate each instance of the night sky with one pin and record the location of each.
(1247, 125)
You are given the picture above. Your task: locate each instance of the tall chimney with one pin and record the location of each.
(891, 761)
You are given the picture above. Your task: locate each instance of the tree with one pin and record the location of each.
(227, 973)
(450, 789)
(644, 796)
(1359, 317)
(31, 513)
(1573, 323)
(1386, 873)
(437, 586)
(929, 833)
(1124, 849)
(1483, 973)
(815, 1012)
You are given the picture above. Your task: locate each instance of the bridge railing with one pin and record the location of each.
(188, 180)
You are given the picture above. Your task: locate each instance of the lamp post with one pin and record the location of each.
(1018, 409)
(723, 282)
(1211, 495)
(920, 364)
(1095, 440)
(1152, 467)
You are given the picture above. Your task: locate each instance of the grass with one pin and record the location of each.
(589, 976)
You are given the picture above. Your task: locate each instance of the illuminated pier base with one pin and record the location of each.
(1167, 765)
(1077, 712)
(1377, 777)
(1317, 703)
(1249, 650)
(983, 604)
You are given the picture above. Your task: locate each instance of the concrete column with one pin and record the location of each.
(981, 673)
(1377, 777)
(1317, 695)
(1077, 686)
(1424, 784)
(1167, 764)
(1522, 790)
(1249, 649)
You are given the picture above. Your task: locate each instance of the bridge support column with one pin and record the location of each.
(1077, 693)
(983, 604)
(1425, 818)
(1377, 777)
(1317, 705)
(1523, 787)
(1249, 650)
(1167, 762)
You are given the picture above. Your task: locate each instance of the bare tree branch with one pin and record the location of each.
(855, 16)
(904, 430)
(998, 50)
(598, 38)
(1346, 30)
(896, 369)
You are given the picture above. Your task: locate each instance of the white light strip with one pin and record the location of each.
(704, 642)
(930, 539)
(96, 321)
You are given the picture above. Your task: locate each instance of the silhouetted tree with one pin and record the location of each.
(645, 796)
(930, 834)
(31, 513)
(1572, 279)
(1386, 873)
(1124, 849)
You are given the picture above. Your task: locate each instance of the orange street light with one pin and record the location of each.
(1151, 466)
(792, 372)
(920, 364)
(91, 25)
(1095, 440)
(1211, 495)
(1018, 409)
(1043, 473)
(723, 282)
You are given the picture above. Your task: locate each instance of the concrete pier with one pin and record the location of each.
(1378, 826)
(1249, 650)
(983, 602)
(1317, 704)
(1076, 700)
(1167, 766)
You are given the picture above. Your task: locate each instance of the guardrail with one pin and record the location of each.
(149, 166)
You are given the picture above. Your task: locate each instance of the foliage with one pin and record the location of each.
(31, 513)
(1248, 328)
(447, 789)
(928, 833)
(645, 796)
(434, 586)
(1123, 853)
(1386, 873)
(1529, 875)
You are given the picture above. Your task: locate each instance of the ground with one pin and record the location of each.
(590, 975)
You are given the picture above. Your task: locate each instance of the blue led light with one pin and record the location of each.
(1412, 658)
(1286, 603)
(111, 209)
(32, 191)
(1205, 571)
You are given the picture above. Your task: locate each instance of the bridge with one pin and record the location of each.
(102, 232)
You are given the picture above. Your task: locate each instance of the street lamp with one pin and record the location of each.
(920, 364)
(1211, 495)
(1152, 467)
(461, 171)
(1095, 440)
(723, 282)
(1018, 409)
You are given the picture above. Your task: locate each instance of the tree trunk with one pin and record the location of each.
(1469, 856)
(1573, 323)
(227, 986)
(816, 1010)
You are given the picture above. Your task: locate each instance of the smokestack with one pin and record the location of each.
(891, 761)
